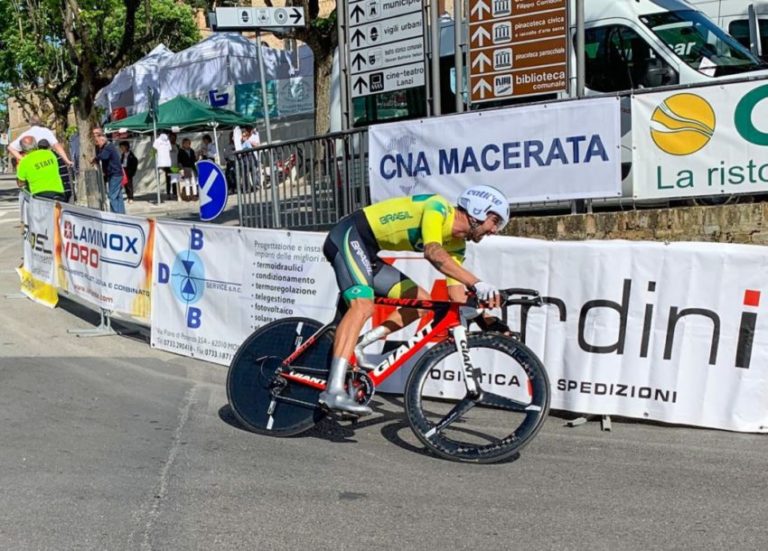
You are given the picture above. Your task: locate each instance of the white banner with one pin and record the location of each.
(703, 141)
(547, 152)
(671, 332)
(37, 271)
(216, 284)
(105, 258)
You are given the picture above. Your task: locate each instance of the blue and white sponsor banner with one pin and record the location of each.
(710, 140)
(557, 151)
(105, 258)
(215, 285)
(213, 190)
(670, 332)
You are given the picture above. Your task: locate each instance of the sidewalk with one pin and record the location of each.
(146, 205)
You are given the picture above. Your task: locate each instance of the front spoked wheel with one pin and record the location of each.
(264, 401)
(496, 425)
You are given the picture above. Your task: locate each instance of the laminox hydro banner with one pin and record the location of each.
(555, 151)
(703, 141)
(216, 284)
(105, 258)
(670, 332)
(37, 271)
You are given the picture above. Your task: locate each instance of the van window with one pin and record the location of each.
(700, 43)
(390, 106)
(739, 29)
(617, 58)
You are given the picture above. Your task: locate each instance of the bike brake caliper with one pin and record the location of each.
(471, 374)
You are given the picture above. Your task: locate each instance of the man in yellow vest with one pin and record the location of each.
(38, 171)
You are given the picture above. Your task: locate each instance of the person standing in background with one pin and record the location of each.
(163, 148)
(250, 138)
(130, 164)
(38, 171)
(208, 149)
(187, 157)
(63, 170)
(109, 157)
(38, 132)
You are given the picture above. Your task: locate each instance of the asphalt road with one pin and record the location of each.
(106, 444)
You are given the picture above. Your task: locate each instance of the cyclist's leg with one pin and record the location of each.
(390, 282)
(352, 263)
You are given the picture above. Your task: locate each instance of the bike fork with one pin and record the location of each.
(471, 374)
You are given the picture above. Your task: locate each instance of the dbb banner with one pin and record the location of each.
(216, 284)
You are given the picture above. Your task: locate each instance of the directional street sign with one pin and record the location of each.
(213, 190)
(517, 48)
(388, 80)
(249, 19)
(386, 45)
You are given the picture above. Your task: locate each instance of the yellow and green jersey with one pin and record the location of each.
(408, 223)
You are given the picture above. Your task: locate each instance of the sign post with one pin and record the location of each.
(517, 48)
(386, 46)
(258, 19)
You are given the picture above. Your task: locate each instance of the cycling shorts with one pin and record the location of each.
(352, 250)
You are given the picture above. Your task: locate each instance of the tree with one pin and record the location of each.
(60, 53)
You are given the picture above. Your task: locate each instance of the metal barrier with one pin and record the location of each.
(302, 184)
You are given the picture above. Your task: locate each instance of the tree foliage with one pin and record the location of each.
(59, 53)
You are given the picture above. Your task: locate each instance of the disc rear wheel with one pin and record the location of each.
(264, 401)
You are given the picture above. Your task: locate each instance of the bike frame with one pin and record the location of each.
(447, 318)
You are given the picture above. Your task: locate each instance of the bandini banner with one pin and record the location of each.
(703, 141)
(216, 284)
(37, 271)
(557, 151)
(670, 332)
(105, 258)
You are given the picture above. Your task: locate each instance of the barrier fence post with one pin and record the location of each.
(104, 329)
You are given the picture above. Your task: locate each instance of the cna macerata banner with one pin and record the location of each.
(37, 271)
(703, 141)
(105, 258)
(216, 284)
(670, 332)
(556, 151)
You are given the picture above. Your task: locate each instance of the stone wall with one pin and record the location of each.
(746, 223)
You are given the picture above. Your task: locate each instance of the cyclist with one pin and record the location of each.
(425, 223)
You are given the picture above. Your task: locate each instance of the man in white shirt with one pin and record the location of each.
(250, 138)
(38, 132)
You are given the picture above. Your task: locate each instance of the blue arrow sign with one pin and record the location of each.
(213, 190)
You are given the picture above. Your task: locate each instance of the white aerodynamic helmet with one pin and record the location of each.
(478, 201)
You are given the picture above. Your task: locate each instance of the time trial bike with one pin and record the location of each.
(473, 396)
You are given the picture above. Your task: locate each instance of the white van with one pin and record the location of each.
(746, 21)
(635, 44)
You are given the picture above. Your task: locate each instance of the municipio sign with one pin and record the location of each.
(386, 45)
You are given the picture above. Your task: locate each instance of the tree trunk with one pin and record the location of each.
(86, 118)
(323, 70)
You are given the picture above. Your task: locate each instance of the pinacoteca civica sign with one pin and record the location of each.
(386, 45)
(517, 48)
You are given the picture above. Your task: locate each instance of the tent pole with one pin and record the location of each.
(157, 169)
(216, 144)
(265, 105)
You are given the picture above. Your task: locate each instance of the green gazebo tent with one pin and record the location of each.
(180, 113)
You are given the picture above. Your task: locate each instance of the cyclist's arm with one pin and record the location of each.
(441, 259)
